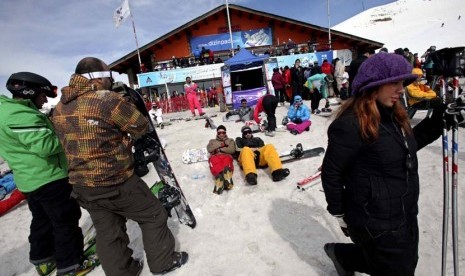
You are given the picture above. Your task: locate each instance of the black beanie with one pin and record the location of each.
(221, 127)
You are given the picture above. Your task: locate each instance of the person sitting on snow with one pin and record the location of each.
(420, 95)
(254, 153)
(298, 116)
(245, 112)
(156, 116)
(221, 164)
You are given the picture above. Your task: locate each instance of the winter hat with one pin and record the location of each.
(221, 127)
(382, 68)
(246, 129)
(417, 71)
(298, 99)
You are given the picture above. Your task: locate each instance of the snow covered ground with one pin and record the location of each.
(274, 228)
(413, 24)
(269, 229)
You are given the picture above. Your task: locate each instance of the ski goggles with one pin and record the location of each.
(221, 132)
(98, 75)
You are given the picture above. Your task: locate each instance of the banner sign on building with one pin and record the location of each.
(244, 39)
(251, 95)
(179, 75)
(305, 59)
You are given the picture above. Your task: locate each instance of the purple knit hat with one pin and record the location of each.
(380, 69)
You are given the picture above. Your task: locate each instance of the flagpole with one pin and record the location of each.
(329, 28)
(135, 37)
(229, 26)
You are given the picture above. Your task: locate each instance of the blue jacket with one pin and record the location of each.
(301, 112)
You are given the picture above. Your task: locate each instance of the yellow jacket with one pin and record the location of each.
(418, 92)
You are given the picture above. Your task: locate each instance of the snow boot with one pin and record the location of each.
(179, 259)
(280, 174)
(270, 133)
(219, 184)
(251, 178)
(228, 181)
(329, 249)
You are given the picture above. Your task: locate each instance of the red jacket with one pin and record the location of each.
(278, 81)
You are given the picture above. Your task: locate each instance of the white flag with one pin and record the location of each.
(121, 13)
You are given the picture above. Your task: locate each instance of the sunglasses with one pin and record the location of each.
(221, 132)
(247, 132)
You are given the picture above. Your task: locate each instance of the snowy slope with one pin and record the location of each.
(415, 24)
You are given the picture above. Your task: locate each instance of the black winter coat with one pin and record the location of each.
(369, 182)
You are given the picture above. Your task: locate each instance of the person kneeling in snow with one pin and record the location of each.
(156, 116)
(299, 117)
(221, 164)
(254, 152)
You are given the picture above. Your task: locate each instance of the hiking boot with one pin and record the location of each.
(270, 133)
(329, 249)
(280, 174)
(251, 178)
(45, 268)
(295, 132)
(180, 258)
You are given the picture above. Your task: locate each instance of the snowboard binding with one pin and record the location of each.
(298, 151)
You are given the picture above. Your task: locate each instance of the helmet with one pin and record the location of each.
(29, 85)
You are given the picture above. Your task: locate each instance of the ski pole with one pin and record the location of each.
(302, 183)
(445, 173)
(455, 149)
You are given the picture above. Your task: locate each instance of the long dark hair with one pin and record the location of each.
(369, 118)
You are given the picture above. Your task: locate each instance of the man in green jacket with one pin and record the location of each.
(34, 153)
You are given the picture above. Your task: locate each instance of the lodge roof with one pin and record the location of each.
(126, 61)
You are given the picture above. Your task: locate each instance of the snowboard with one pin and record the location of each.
(190, 156)
(148, 149)
(298, 153)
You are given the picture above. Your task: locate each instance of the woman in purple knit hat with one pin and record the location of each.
(370, 171)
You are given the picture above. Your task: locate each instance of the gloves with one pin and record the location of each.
(342, 224)
(228, 115)
(297, 121)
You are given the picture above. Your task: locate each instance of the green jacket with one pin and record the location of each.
(30, 145)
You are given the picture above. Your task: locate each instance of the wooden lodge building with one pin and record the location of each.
(269, 34)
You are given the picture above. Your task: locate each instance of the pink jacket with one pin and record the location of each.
(190, 88)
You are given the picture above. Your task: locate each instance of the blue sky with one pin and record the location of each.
(49, 37)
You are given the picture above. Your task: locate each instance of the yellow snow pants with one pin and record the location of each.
(268, 157)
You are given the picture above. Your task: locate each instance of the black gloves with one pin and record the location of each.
(228, 115)
(297, 121)
(453, 111)
(343, 225)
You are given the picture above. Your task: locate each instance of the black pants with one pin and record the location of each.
(110, 207)
(315, 99)
(296, 90)
(270, 103)
(279, 93)
(381, 254)
(55, 232)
